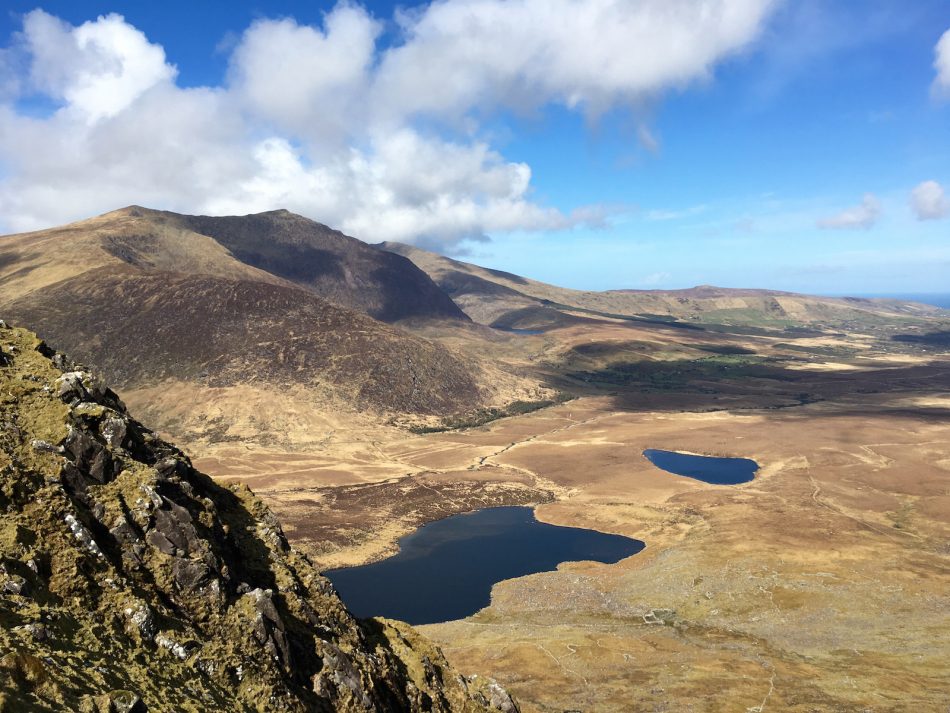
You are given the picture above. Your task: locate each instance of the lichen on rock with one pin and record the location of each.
(131, 582)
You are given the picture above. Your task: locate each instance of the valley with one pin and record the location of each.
(821, 584)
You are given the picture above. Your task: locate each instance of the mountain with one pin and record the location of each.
(277, 247)
(131, 582)
(342, 269)
(505, 300)
(223, 311)
(224, 332)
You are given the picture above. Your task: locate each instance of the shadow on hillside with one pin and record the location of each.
(931, 339)
(711, 385)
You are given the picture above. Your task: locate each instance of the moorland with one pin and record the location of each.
(362, 391)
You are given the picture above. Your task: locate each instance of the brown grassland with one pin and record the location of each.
(823, 585)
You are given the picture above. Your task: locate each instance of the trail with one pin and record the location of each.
(816, 496)
(559, 429)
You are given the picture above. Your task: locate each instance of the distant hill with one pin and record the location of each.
(132, 582)
(506, 300)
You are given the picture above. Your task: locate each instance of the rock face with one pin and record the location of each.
(131, 582)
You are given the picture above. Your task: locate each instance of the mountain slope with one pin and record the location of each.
(278, 246)
(222, 332)
(131, 582)
(492, 297)
(271, 302)
(342, 269)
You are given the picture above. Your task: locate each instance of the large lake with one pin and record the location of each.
(446, 569)
(709, 469)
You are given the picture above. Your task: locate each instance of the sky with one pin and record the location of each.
(599, 144)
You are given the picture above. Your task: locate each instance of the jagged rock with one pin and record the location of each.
(83, 535)
(113, 430)
(153, 499)
(339, 675)
(70, 386)
(190, 574)
(16, 585)
(268, 627)
(45, 447)
(126, 702)
(174, 523)
(113, 702)
(250, 625)
(181, 651)
(140, 617)
(500, 699)
(89, 456)
(169, 467)
(157, 540)
(123, 531)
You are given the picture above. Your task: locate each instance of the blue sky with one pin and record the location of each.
(789, 145)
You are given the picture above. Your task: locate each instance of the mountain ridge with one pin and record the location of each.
(275, 245)
(491, 296)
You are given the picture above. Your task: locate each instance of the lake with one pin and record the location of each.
(445, 570)
(709, 469)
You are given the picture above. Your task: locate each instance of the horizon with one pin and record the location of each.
(802, 147)
(937, 298)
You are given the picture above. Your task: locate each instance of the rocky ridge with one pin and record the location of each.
(129, 581)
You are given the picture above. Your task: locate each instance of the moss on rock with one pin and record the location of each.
(131, 582)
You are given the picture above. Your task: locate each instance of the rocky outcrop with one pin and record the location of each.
(131, 582)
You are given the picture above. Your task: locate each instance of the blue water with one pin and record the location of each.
(446, 569)
(935, 299)
(709, 469)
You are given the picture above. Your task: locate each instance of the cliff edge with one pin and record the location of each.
(129, 581)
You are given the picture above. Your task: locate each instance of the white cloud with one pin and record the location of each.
(98, 68)
(521, 54)
(929, 201)
(860, 216)
(941, 85)
(403, 188)
(326, 122)
(303, 79)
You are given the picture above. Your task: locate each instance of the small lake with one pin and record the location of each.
(445, 570)
(709, 469)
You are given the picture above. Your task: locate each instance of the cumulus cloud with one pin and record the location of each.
(383, 141)
(98, 69)
(929, 201)
(307, 80)
(590, 55)
(863, 216)
(941, 85)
